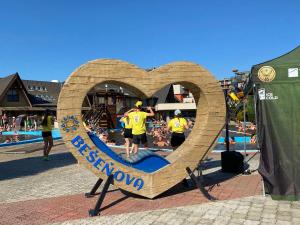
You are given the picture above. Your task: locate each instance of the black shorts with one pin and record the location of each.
(46, 134)
(128, 133)
(177, 139)
(141, 138)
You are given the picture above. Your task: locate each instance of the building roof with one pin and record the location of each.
(114, 88)
(162, 94)
(174, 106)
(5, 83)
(42, 92)
(165, 95)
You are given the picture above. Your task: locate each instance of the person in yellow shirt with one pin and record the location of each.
(127, 133)
(177, 125)
(46, 133)
(138, 121)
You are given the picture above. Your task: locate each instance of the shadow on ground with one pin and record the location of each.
(208, 181)
(34, 165)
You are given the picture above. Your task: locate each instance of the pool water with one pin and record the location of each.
(55, 133)
(119, 140)
(24, 137)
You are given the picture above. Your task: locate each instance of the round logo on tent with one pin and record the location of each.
(266, 73)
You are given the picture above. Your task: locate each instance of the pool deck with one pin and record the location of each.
(33, 191)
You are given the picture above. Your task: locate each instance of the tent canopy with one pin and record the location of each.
(281, 63)
(276, 88)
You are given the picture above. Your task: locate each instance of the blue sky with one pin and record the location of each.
(45, 40)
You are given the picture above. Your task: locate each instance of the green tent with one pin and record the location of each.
(276, 88)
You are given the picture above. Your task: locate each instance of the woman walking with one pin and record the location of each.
(47, 134)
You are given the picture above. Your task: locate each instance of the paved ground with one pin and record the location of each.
(33, 191)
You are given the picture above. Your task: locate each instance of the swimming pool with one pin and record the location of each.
(36, 136)
(236, 139)
(27, 137)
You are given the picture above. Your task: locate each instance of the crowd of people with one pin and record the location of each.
(21, 122)
(140, 123)
(135, 130)
(29, 123)
(161, 133)
(248, 129)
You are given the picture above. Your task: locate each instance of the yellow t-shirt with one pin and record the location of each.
(177, 125)
(48, 127)
(138, 121)
(127, 122)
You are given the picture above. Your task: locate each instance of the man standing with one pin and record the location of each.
(138, 120)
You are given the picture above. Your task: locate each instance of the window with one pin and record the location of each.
(12, 95)
(44, 88)
(37, 88)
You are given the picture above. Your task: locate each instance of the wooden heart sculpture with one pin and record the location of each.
(209, 120)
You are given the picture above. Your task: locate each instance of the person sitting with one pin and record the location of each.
(104, 137)
(240, 127)
(252, 127)
(160, 142)
(232, 141)
(253, 139)
(86, 127)
(111, 142)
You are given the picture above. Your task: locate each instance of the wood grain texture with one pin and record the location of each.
(209, 120)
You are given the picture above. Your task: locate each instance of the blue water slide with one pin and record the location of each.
(145, 160)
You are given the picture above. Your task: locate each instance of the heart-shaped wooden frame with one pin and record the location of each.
(209, 121)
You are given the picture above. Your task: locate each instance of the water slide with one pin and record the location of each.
(146, 161)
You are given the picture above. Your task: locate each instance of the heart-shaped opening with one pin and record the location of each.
(104, 117)
(209, 121)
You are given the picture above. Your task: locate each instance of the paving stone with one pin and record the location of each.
(209, 216)
(284, 213)
(266, 223)
(295, 220)
(268, 220)
(284, 218)
(251, 222)
(70, 178)
(270, 207)
(253, 217)
(239, 216)
(206, 221)
(269, 211)
(255, 209)
(280, 222)
(222, 219)
(237, 221)
(193, 219)
(268, 215)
